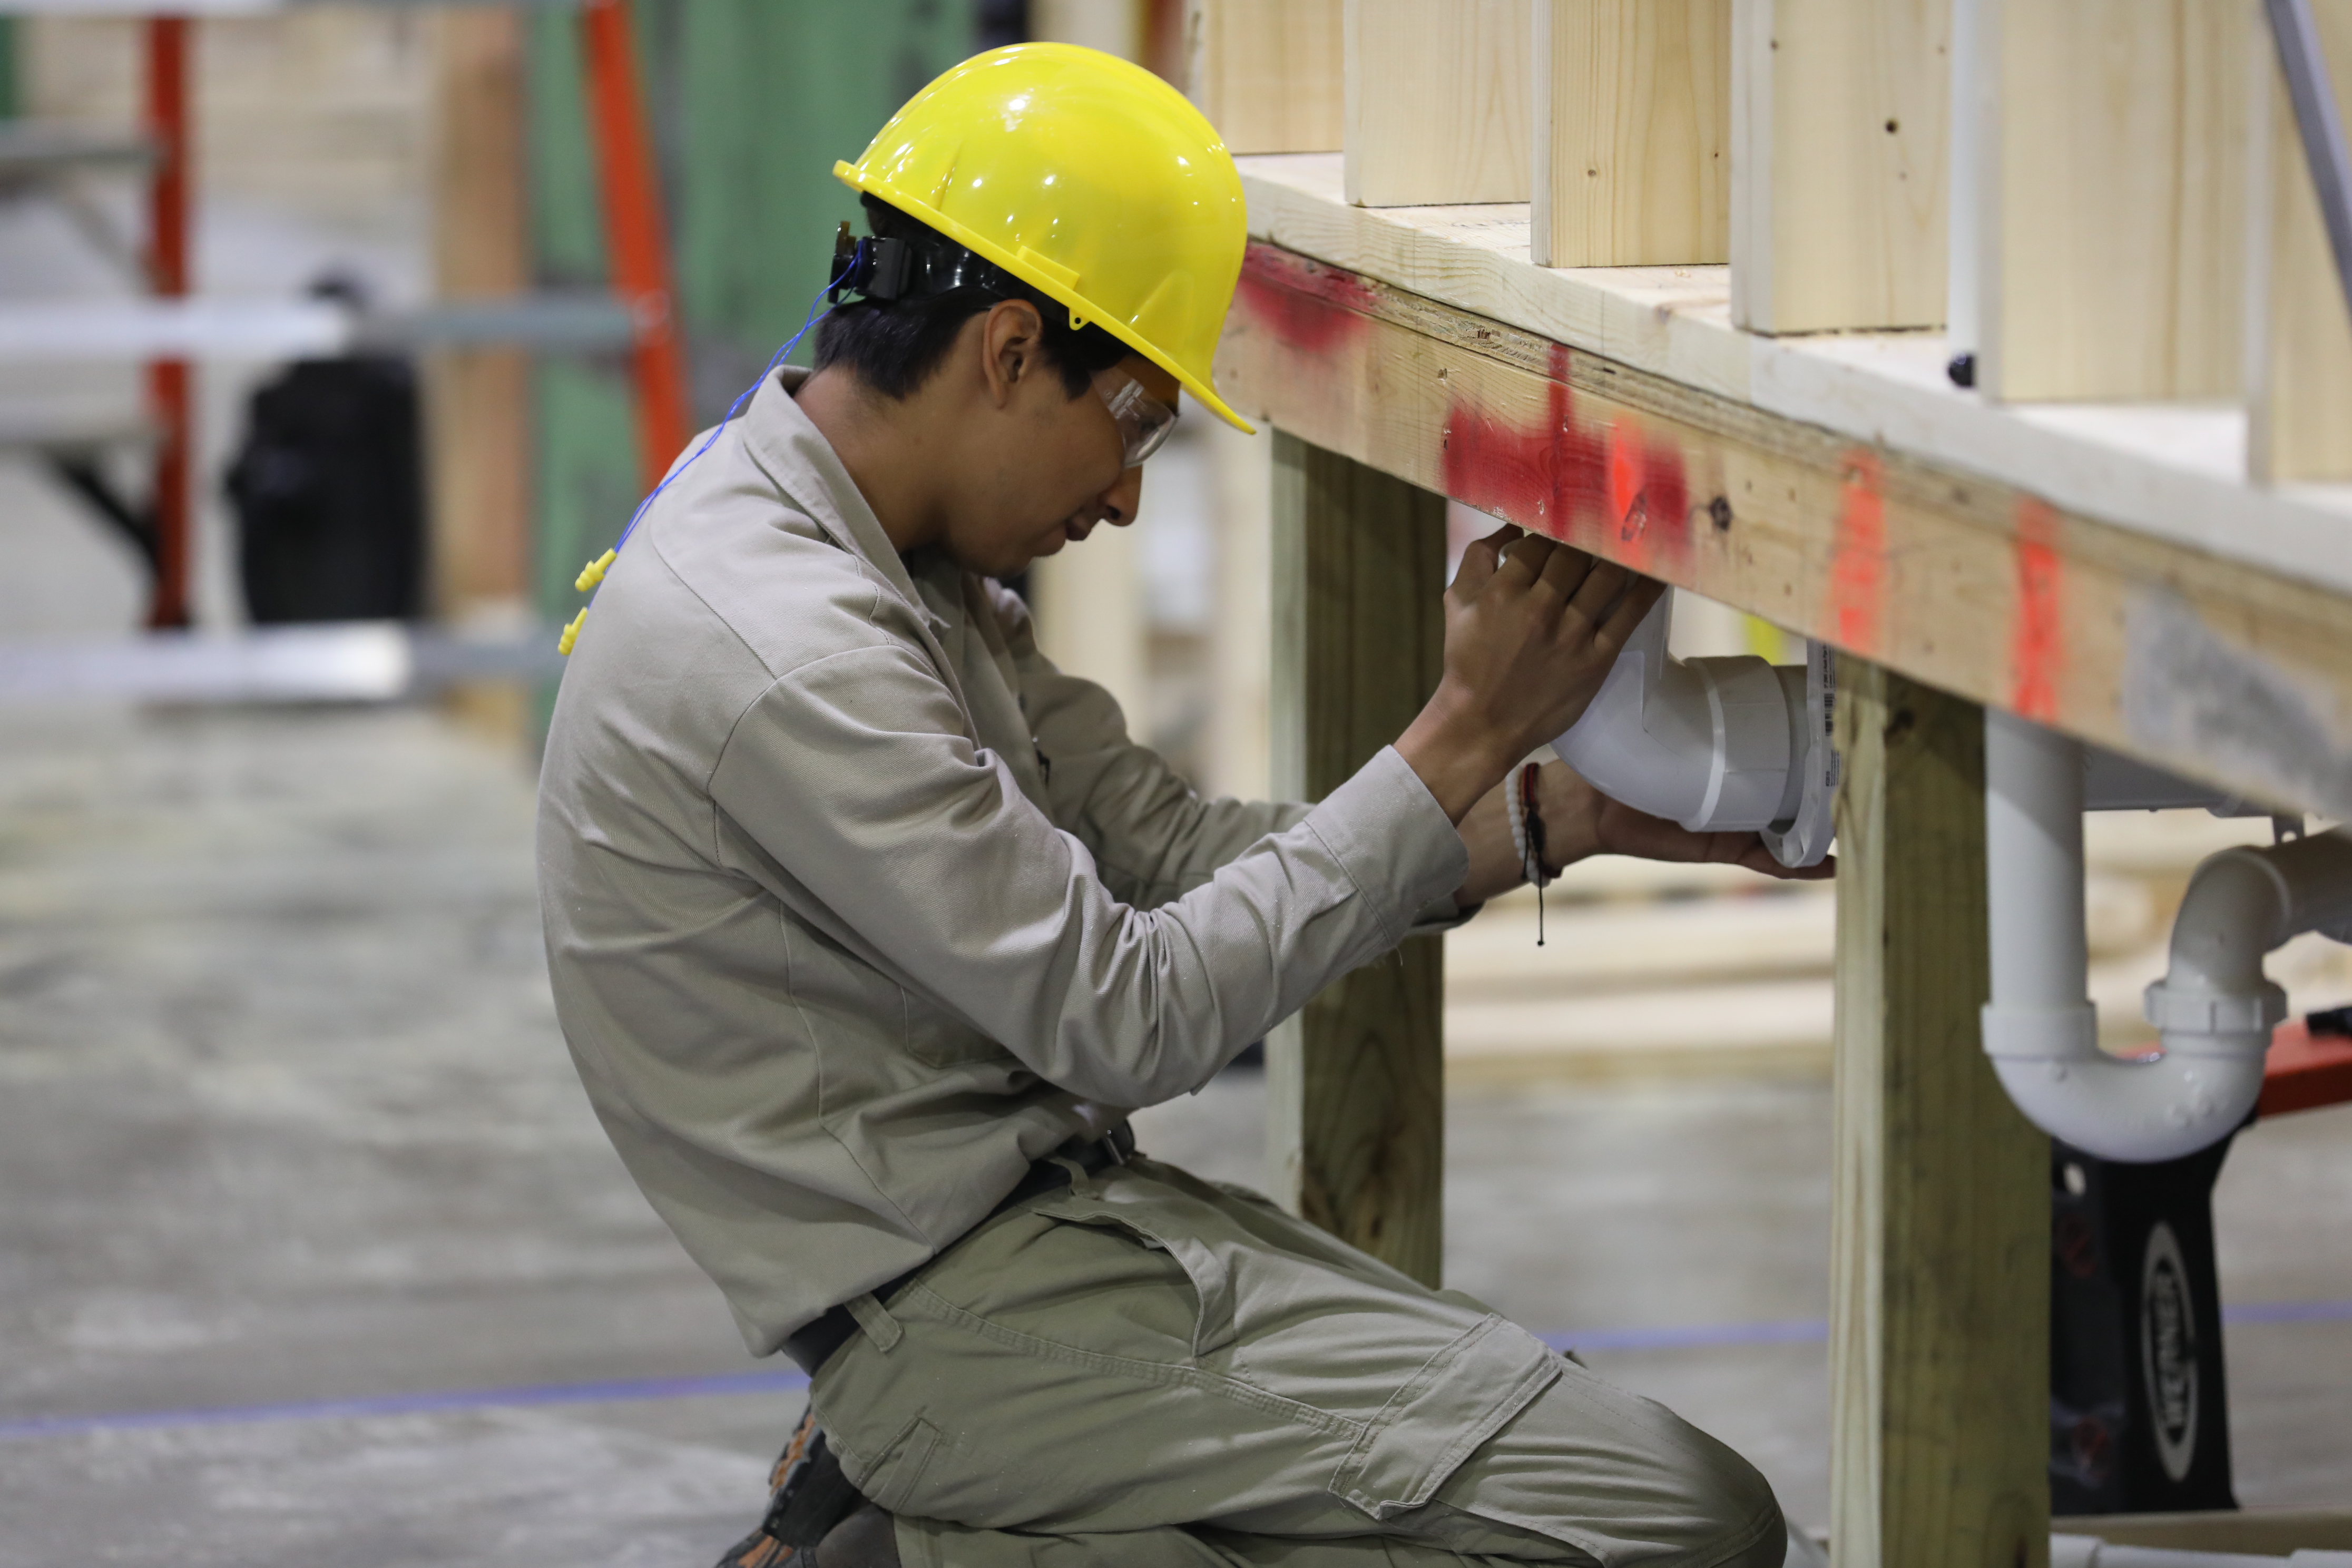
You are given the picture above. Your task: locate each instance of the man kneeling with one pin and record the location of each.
(868, 925)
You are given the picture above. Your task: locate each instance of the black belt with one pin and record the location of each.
(811, 1346)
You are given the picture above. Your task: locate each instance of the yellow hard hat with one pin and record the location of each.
(1086, 177)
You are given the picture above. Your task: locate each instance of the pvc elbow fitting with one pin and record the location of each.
(1715, 745)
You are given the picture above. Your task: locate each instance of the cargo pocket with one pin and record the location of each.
(1461, 1397)
(890, 1484)
(1212, 1284)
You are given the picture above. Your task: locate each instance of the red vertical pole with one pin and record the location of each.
(634, 235)
(167, 267)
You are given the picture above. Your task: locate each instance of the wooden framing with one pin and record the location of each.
(1357, 1081)
(2299, 374)
(2109, 210)
(1437, 101)
(1839, 160)
(1630, 113)
(1939, 1302)
(1268, 72)
(2213, 667)
(2066, 181)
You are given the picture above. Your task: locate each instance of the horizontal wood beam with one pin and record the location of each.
(2218, 669)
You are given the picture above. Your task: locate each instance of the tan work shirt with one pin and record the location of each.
(856, 905)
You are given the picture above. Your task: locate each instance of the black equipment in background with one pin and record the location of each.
(2139, 1417)
(330, 494)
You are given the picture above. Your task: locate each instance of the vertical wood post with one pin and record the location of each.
(478, 399)
(1356, 1082)
(1939, 1301)
(170, 396)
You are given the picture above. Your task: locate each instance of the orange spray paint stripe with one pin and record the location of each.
(1627, 482)
(1858, 560)
(2038, 631)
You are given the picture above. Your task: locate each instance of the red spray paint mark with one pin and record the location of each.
(1307, 306)
(1858, 561)
(1614, 488)
(2038, 632)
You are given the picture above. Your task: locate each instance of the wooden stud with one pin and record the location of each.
(2299, 375)
(1939, 1299)
(479, 400)
(2111, 198)
(1356, 1082)
(1437, 101)
(1267, 73)
(1630, 113)
(1840, 156)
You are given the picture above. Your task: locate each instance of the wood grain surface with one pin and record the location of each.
(2221, 670)
(1356, 1083)
(2112, 222)
(1632, 129)
(1939, 1374)
(1437, 101)
(1840, 135)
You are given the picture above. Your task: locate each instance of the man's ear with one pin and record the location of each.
(1011, 344)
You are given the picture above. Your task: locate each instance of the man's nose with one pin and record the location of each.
(1119, 503)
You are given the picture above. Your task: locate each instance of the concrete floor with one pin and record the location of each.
(311, 1253)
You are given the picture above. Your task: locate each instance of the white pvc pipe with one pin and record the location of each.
(1708, 743)
(2214, 1011)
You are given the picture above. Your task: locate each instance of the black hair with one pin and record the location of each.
(894, 345)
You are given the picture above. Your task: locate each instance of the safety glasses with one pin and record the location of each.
(1143, 420)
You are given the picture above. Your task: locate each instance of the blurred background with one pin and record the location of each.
(310, 1250)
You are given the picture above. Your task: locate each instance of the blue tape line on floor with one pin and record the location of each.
(1713, 1336)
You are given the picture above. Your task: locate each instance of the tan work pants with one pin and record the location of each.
(1147, 1369)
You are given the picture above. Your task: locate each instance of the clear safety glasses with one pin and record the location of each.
(1143, 420)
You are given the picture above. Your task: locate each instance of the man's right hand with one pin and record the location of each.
(1531, 629)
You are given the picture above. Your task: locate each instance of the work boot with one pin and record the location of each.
(867, 1539)
(809, 1496)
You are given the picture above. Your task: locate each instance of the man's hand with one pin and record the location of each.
(1531, 628)
(1580, 821)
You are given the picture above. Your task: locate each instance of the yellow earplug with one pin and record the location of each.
(571, 634)
(594, 573)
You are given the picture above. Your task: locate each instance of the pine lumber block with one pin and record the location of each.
(2110, 210)
(1355, 1081)
(1437, 101)
(1840, 121)
(1631, 126)
(1939, 1375)
(2299, 376)
(1267, 73)
(2218, 668)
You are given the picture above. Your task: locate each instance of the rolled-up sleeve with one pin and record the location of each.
(855, 775)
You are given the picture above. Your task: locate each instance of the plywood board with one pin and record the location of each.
(1267, 73)
(1356, 1082)
(2213, 667)
(1632, 133)
(2299, 375)
(1437, 95)
(2110, 220)
(1840, 125)
(1939, 1294)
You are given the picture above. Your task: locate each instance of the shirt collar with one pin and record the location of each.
(787, 445)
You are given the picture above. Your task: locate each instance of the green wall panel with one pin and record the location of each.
(753, 101)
